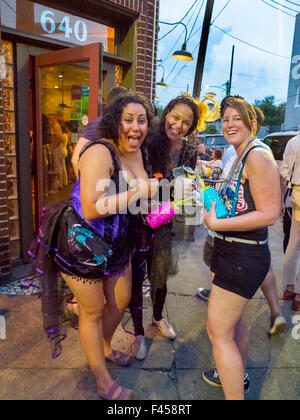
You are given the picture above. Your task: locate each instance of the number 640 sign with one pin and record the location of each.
(50, 26)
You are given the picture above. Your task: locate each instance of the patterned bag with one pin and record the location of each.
(79, 245)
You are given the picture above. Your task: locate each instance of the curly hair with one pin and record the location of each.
(111, 119)
(159, 145)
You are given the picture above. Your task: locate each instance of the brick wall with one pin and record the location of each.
(145, 71)
(4, 234)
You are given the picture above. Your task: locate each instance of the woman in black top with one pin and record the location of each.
(167, 149)
(241, 256)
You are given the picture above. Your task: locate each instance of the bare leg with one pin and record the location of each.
(117, 294)
(269, 290)
(242, 341)
(224, 327)
(91, 306)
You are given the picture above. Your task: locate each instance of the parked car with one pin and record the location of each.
(278, 141)
(213, 141)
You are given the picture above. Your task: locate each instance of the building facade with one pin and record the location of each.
(59, 59)
(292, 114)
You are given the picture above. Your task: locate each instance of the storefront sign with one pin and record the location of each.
(29, 17)
(84, 90)
(76, 92)
(50, 26)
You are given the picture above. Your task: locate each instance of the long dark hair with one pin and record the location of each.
(111, 119)
(159, 145)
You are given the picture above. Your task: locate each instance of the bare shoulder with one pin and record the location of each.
(96, 155)
(261, 156)
(261, 165)
(82, 141)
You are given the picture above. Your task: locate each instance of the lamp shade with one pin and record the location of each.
(162, 84)
(183, 54)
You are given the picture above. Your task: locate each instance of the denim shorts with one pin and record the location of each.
(240, 268)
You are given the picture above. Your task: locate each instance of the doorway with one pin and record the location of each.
(68, 94)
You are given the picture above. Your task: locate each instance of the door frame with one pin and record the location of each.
(92, 53)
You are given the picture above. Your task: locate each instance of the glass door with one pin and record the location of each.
(68, 95)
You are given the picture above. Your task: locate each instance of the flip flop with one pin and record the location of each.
(124, 394)
(119, 358)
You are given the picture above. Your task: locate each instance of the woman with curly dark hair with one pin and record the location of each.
(168, 145)
(96, 216)
(167, 148)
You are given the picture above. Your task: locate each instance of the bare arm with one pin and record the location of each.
(264, 183)
(75, 157)
(96, 168)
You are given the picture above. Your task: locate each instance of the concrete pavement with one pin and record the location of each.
(173, 369)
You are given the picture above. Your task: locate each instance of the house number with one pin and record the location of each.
(49, 25)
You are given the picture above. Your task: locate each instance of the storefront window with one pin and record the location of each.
(64, 106)
(118, 75)
(10, 151)
(44, 21)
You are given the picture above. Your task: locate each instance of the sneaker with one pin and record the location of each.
(203, 293)
(165, 328)
(278, 324)
(211, 377)
(139, 347)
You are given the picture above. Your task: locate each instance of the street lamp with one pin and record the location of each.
(162, 82)
(182, 54)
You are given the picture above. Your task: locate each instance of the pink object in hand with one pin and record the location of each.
(162, 215)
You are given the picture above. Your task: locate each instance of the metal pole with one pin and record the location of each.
(231, 70)
(203, 48)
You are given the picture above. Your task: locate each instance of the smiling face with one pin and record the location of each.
(133, 128)
(178, 122)
(234, 129)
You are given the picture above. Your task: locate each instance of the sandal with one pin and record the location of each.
(296, 305)
(124, 394)
(119, 358)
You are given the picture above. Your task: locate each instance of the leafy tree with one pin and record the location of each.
(210, 129)
(160, 110)
(274, 115)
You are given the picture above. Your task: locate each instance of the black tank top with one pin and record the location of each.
(245, 204)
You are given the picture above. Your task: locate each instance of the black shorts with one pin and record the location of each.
(208, 250)
(240, 268)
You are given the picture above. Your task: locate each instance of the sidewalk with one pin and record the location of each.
(172, 370)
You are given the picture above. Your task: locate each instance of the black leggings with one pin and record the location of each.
(155, 261)
(287, 222)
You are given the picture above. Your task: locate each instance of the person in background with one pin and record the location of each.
(202, 153)
(216, 162)
(290, 173)
(59, 154)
